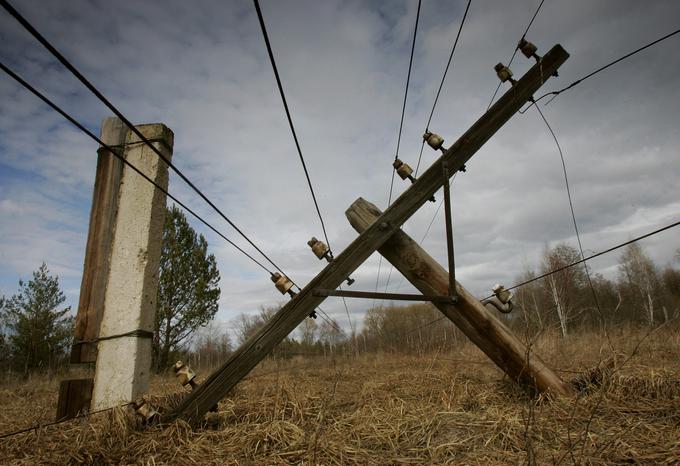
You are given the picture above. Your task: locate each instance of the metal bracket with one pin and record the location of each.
(449, 232)
(389, 296)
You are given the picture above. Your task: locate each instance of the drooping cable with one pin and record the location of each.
(401, 126)
(434, 105)
(515, 52)
(61, 421)
(573, 215)
(68, 65)
(290, 119)
(113, 151)
(573, 264)
(554, 94)
(295, 138)
(441, 84)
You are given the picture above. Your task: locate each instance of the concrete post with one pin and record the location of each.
(124, 363)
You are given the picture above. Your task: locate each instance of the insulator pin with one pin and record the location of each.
(184, 374)
(528, 49)
(435, 141)
(504, 73)
(404, 170)
(145, 411)
(501, 293)
(283, 284)
(502, 299)
(320, 249)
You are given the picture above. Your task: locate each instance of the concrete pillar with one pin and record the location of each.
(124, 364)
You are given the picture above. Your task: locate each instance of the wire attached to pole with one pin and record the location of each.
(554, 94)
(514, 53)
(69, 66)
(110, 149)
(290, 119)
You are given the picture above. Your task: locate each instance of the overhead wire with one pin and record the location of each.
(441, 84)
(514, 53)
(573, 264)
(290, 119)
(429, 120)
(279, 84)
(554, 94)
(113, 151)
(69, 66)
(573, 215)
(401, 126)
(531, 22)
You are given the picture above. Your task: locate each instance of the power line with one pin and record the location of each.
(429, 120)
(110, 149)
(593, 256)
(403, 106)
(515, 51)
(295, 138)
(441, 84)
(401, 125)
(448, 64)
(68, 65)
(290, 120)
(581, 261)
(602, 68)
(61, 421)
(573, 215)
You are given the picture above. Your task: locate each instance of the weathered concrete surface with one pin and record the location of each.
(124, 364)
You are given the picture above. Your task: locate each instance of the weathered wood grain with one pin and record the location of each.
(245, 358)
(478, 323)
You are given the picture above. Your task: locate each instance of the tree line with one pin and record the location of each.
(37, 329)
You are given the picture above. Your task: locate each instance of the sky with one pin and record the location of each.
(201, 68)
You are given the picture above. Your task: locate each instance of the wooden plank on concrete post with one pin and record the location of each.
(245, 358)
(124, 363)
(74, 394)
(468, 314)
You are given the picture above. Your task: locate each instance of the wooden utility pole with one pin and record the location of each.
(120, 273)
(244, 359)
(468, 313)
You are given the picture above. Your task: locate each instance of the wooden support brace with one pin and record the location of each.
(245, 358)
(468, 313)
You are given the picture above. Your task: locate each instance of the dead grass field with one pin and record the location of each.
(453, 408)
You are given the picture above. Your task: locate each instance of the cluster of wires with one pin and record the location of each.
(115, 151)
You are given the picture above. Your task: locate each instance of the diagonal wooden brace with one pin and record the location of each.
(245, 358)
(478, 323)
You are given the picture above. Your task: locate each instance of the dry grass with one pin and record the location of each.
(386, 409)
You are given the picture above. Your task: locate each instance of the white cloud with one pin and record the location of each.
(203, 70)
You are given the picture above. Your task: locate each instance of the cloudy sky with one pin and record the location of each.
(201, 68)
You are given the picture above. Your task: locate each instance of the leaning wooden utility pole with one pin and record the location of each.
(115, 318)
(468, 313)
(244, 359)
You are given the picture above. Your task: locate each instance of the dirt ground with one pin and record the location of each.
(453, 408)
